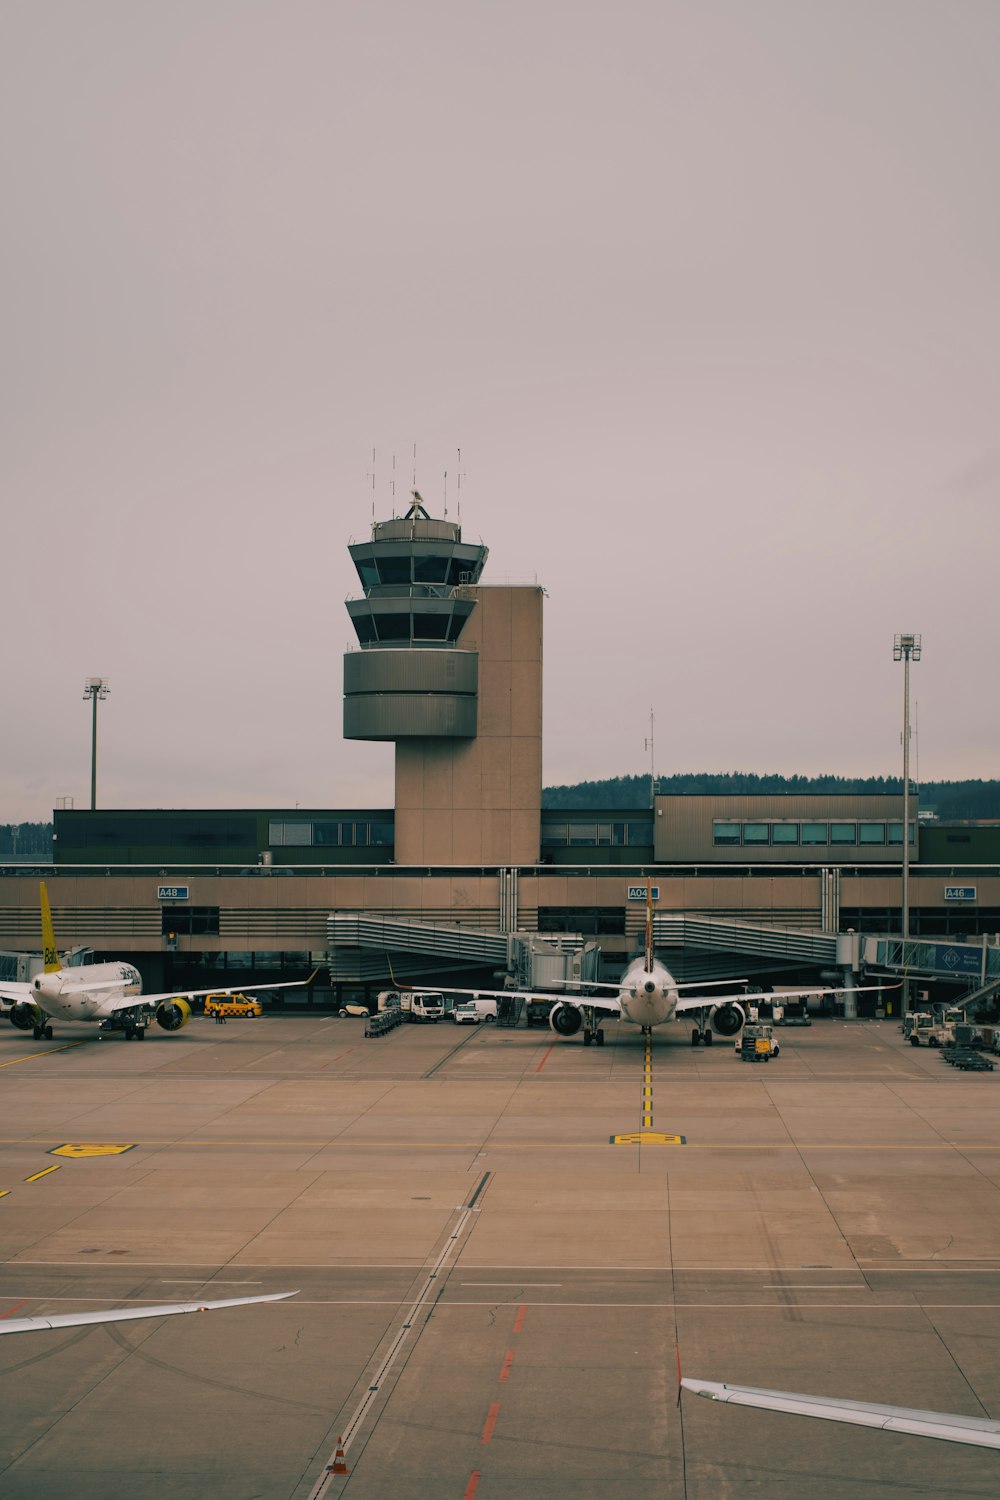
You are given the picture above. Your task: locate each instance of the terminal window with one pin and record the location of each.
(871, 833)
(189, 921)
(727, 833)
(815, 833)
(843, 833)
(784, 833)
(593, 835)
(756, 833)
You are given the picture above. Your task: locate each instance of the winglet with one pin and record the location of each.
(49, 949)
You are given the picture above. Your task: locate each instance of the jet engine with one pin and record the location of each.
(173, 1014)
(565, 1019)
(727, 1019)
(26, 1017)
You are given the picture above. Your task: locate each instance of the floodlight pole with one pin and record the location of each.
(903, 648)
(95, 687)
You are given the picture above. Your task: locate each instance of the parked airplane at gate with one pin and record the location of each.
(129, 1314)
(648, 996)
(109, 994)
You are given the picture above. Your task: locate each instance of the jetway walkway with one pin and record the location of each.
(726, 935)
(365, 946)
(976, 962)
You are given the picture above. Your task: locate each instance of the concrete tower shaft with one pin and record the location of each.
(452, 672)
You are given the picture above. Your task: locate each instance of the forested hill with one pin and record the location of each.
(948, 799)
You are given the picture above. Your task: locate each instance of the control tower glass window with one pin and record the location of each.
(430, 627)
(430, 569)
(368, 573)
(394, 569)
(393, 627)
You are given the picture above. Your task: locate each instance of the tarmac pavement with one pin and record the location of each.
(494, 1292)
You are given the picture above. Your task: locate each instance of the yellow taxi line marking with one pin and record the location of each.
(47, 1053)
(395, 1143)
(4, 1192)
(43, 1173)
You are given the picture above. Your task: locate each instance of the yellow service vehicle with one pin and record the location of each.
(756, 1043)
(218, 1004)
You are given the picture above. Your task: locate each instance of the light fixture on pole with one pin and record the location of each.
(94, 688)
(906, 648)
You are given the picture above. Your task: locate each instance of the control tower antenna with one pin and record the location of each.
(459, 484)
(392, 485)
(373, 486)
(414, 466)
(650, 746)
(446, 494)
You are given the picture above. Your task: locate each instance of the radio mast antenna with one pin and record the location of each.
(650, 746)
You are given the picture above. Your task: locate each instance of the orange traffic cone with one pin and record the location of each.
(339, 1465)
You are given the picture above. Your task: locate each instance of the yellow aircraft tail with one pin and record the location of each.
(51, 952)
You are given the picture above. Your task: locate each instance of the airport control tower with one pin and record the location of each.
(452, 672)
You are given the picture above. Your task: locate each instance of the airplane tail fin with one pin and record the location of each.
(649, 929)
(49, 949)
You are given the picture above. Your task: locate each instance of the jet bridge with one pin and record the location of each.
(366, 946)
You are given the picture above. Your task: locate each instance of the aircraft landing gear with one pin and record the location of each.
(42, 1033)
(593, 1036)
(704, 1037)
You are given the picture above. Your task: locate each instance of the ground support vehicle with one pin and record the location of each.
(794, 1013)
(467, 1015)
(353, 1008)
(218, 1004)
(967, 1059)
(416, 1005)
(538, 1012)
(756, 1043)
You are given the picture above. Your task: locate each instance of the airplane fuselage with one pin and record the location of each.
(648, 994)
(83, 994)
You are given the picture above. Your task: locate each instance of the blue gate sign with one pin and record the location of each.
(957, 958)
(172, 892)
(960, 893)
(638, 893)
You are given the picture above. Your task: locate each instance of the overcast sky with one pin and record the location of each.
(705, 292)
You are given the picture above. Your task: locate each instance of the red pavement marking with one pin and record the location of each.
(491, 1422)
(336, 1059)
(508, 1360)
(9, 1310)
(473, 1485)
(544, 1060)
(519, 1320)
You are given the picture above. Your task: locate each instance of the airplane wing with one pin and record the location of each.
(978, 1432)
(129, 1002)
(606, 1005)
(129, 1314)
(14, 990)
(693, 1002)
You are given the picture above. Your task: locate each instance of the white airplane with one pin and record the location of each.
(648, 996)
(978, 1432)
(130, 1314)
(109, 994)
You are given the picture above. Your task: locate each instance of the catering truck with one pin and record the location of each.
(418, 1005)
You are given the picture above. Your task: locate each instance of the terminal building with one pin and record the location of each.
(467, 878)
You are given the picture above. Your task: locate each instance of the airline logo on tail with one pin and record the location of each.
(52, 960)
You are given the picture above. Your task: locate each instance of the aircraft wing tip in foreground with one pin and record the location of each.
(128, 1314)
(977, 1432)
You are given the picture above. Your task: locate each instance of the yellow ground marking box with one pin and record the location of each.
(91, 1148)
